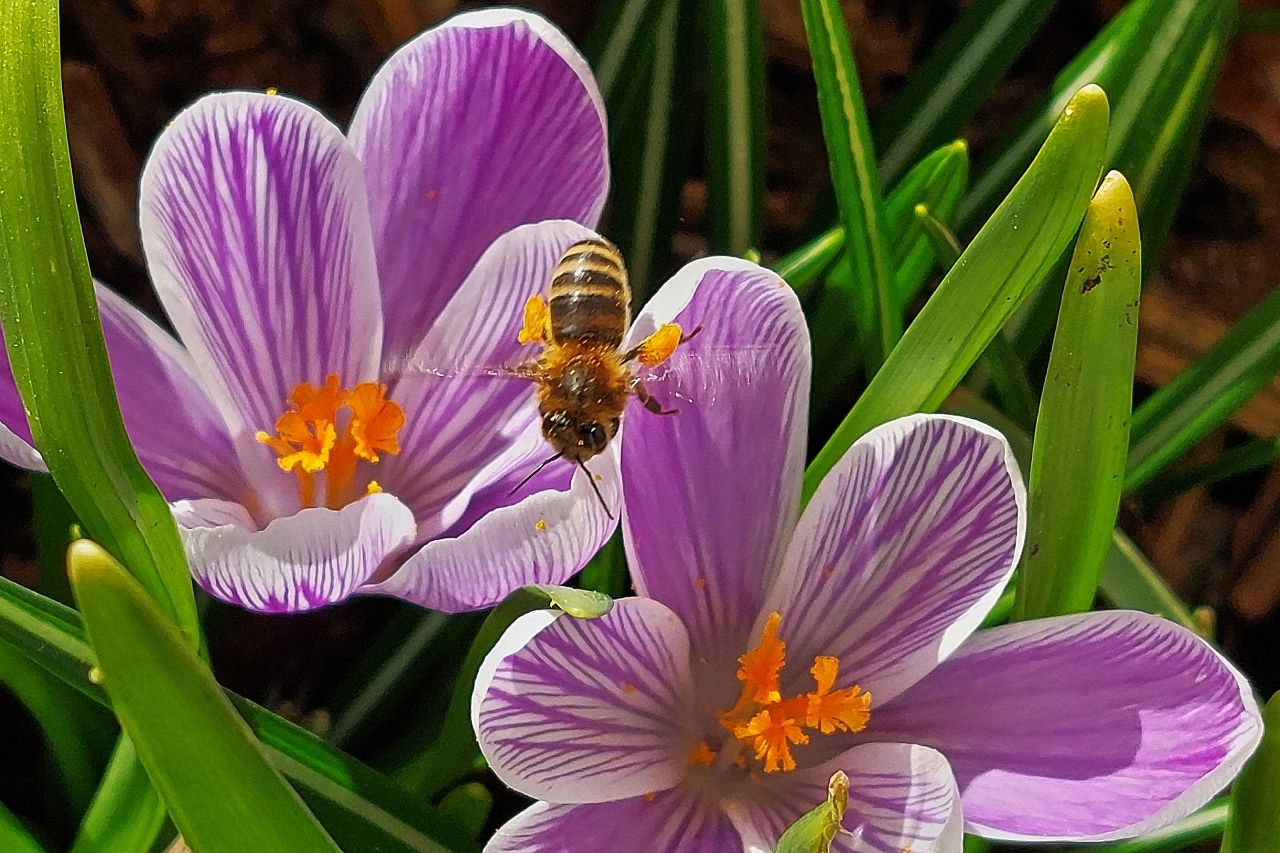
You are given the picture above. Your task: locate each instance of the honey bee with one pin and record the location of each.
(584, 378)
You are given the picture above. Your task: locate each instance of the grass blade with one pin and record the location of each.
(876, 314)
(1005, 260)
(204, 761)
(735, 125)
(50, 317)
(1254, 822)
(1082, 431)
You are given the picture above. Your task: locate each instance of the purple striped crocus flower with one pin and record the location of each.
(315, 279)
(767, 648)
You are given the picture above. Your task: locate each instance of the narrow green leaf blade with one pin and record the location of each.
(1129, 581)
(206, 764)
(945, 91)
(877, 315)
(14, 837)
(1082, 431)
(943, 177)
(735, 125)
(1192, 829)
(51, 326)
(1254, 823)
(1206, 393)
(1006, 259)
(126, 814)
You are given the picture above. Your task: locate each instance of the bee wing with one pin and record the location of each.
(452, 368)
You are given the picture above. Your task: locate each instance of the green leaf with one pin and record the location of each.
(1206, 393)
(14, 837)
(1006, 259)
(455, 750)
(54, 520)
(876, 315)
(814, 831)
(735, 125)
(805, 265)
(206, 764)
(606, 572)
(644, 54)
(945, 91)
(352, 800)
(469, 806)
(126, 814)
(1254, 822)
(581, 603)
(1082, 431)
(51, 326)
(1157, 61)
(1129, 581)
(1230, 463)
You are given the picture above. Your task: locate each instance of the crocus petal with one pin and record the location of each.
(587, 710)
(183, 442)
(903, 549)
(671, 822)
(711, 492)
(1081, 728)
(901, 797)
(256, 230)
(300, 562)
(16, 446)
(489, 121)
(457, 389)
(545, 538)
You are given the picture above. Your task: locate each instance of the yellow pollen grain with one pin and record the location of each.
(541, 525)
(272, 90)
(700, 583)
(431, 194)
(650, 797)
(373, 488)
(628, 688)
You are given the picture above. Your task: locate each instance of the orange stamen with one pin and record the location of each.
(761, 665)
(771, 732)
(328, 429)
(701, 756)
(659, 346)
(847, 710)
(537, 321)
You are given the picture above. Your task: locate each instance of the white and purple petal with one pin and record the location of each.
(183, 444)
(671, 822)
(901, 797)
(543, 534)
(902, 551)
(1090, 727)
(587, 710)
(316, 557)
(486, 122)
(711, 492)
(457, 390)
(256, 229)
(16, 444)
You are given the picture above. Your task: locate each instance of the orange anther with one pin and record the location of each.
(761, 665)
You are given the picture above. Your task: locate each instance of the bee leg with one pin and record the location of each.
(684, 339)
(650, 402)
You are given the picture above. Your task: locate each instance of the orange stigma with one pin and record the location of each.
(328, 430)
(769, 724)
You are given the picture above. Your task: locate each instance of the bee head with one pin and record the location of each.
(577, 439)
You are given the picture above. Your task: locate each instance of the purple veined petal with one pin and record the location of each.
(670, 822)
(711, 493)
(901, 552)
(16, 446)
(587, 710)
(178, 434)
(300, 562)
(489, 121)
(256, 229)
(544, 538)
(453, 389)
(1090, 727)
(901, 797)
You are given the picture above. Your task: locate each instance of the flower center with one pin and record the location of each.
(770, 724)
(327, 430)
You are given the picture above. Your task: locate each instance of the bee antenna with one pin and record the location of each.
(594, 487)
(534, 473)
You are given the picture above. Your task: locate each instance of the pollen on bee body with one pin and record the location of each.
(330, 429)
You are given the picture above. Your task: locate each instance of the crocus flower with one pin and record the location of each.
(316, 425)
(766, 649)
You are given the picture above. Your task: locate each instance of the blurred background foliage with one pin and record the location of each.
(693, 175)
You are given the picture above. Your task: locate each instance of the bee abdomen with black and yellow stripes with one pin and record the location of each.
(590, 298)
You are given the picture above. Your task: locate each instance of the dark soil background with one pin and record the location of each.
(130, 65)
